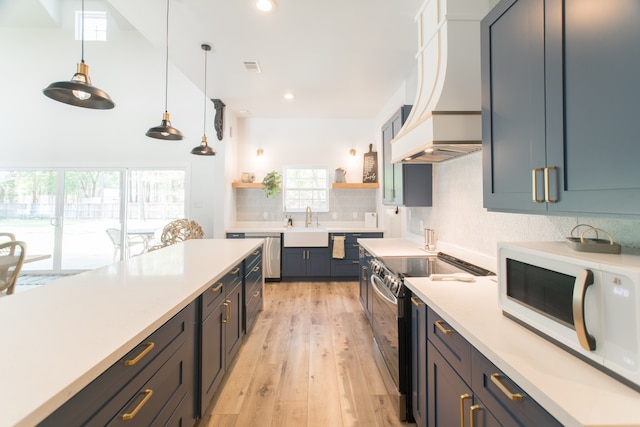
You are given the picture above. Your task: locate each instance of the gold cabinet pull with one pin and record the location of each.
(463, 397)
(534, 181)
(355, 262)
(442, 328)
(148, 393)
(234, 272)
(256, 252)
(495, 378)
(226, 311)
(256, 294)
(547, 189)
(356, 234)
(417, 302)
(148, 348)
(218, 287)
(472, 414)
(256, 269)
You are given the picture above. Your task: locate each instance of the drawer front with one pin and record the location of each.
(451, 345)
(253, 259)
(214, 295)
(345, 268)
(252, 305)
(157, 399)
(235, 235)
(504, 398)
(353, 237)
(253, 282)
(135, 368)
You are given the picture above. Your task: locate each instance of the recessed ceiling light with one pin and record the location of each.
(243, 111)
(265, 5)
(289, 95)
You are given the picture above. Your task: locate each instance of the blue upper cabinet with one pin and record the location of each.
(403, 184)
(559, 95)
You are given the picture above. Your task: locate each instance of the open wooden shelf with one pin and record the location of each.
(246, 185)
(355, 185)
(335, 185)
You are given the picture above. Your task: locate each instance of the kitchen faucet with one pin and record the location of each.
(307, 220)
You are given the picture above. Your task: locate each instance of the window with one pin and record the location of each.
(306, 186)
(95, 26)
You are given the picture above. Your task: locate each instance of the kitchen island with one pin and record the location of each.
(58, 338)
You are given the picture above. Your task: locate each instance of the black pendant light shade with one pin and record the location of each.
(78, 91)
(203, 149)
(165, 130)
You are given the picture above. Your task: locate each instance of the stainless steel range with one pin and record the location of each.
(391, 316)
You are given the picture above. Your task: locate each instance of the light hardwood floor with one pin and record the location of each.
(308, 361)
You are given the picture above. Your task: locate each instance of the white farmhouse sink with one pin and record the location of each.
(301, 237)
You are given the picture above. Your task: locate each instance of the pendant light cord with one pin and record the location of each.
(82, 35)
(204, 130)
(166, 64)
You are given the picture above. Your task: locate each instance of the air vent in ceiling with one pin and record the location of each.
(253, 66)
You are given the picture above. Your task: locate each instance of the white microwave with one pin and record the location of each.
(588, 303)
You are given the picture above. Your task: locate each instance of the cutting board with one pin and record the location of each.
(370, 166)
(370, 220)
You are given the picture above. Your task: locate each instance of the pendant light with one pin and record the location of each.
(203, 149)
(165, 130)
(79, 91)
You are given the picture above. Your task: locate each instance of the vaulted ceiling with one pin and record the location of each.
(340, 58)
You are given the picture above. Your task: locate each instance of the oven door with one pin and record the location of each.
(385, 326)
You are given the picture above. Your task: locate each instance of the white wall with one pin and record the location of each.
(303, 142)
(39, 132)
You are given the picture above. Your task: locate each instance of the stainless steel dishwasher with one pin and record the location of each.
(271, 253)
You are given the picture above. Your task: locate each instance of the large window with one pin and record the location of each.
(80, 217)
(306, 187)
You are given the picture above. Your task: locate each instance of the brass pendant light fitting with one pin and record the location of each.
(203, 149)
(165, 130)
(79, 91)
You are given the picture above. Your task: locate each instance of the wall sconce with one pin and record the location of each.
(352, 152)
(260, 152)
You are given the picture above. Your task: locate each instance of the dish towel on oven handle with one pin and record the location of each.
(338, 247)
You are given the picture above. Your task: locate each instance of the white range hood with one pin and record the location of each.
(445, 121)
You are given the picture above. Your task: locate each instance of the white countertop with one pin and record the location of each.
(574, 392)
(393, 247)
(58, 338)
(281, 229)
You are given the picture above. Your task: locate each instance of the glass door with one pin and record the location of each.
(79, 218)
(91, 210)
(28, 207)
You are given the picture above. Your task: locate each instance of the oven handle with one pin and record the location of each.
(584, 279)
(374, 283)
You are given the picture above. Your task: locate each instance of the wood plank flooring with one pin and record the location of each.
(308, 361)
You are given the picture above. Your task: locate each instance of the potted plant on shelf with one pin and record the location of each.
(271, 183)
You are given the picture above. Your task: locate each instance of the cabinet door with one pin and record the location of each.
(388, 194)
(593, 64)
(505, 399)
(212, 354)
(233, 326)
(513, 105)
(449, 398)
(419, 360)
(318, 262)
(294, 262)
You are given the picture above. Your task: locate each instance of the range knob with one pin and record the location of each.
(393, 283)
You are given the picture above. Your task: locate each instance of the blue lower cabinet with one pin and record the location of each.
(304, 264)
(153, 384)
(465, 388)
(348, 268)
